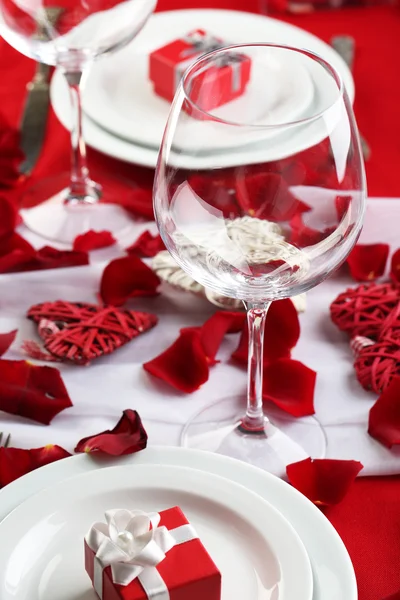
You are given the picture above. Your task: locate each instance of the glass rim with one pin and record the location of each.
(313, 55)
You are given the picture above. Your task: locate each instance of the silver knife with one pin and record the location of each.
(34, 118)
(345, 47)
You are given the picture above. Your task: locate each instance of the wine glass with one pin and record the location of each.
(71, 36)
(259, 195)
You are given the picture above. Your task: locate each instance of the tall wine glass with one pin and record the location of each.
(259, 199)
(71, 35)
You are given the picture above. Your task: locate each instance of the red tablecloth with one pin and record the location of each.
(369, 518)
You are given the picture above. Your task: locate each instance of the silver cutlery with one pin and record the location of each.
(34, 119)
(7, 439)
(345, 47)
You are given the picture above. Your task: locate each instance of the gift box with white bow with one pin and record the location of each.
(214, 86)
(149, 556)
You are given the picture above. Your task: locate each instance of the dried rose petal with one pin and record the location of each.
(384, 416)
(30, 391)
(367, 262)
(15, 462)
(290, 385)
(93, 240)
(125, 278)
(323, 481)
(127, 437)
(184, 365)
(147, 245)
(282, 331)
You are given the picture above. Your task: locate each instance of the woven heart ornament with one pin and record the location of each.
(80, 332)
(376, 363)
(362, 311)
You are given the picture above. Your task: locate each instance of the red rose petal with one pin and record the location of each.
(15, 252)
(267, 196)
(303, 236)
(147, 245)
(93, 240)
(125, 278)
(395, 596)
(8, 217)
(218, 191)
(290, 385)
(184, 365)
(367, 262)
(395, 267)
(323, 481)
(127, 437)
(10, 154)
(216, 327)
(282, 331)
(33, 392)
(6, 339)
(140, 203)
(15, 462)
(51, 258)
(384, 416)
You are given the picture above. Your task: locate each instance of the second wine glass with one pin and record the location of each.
(72, 36)
(259, 198)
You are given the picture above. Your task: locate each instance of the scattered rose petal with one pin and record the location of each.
(395, 267)
(127, 437)
(6, 339)
(184, 365)
(8, 217)
(267, 196)
(15, 251)
(367, 262)
(216, 327)
(290, 385)
(33, 392)
(25, 258)
(384, 416)
(218, 191)
(395, 596)
(93, 240)
(342, 204)
(140, 203)
(323, 481)
(125, 278)
(11, 154)
(303, 236)
(147, 245)
(15, 462)
(282, 331)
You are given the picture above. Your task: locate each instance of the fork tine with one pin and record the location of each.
(1, 437)
(7, 442)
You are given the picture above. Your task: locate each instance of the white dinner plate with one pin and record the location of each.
(128, 107)
(334, 577)
(235, 26)
(259, 554)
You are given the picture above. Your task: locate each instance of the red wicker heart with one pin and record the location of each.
(376, 363)
(391, 326)
(362, 311)
(80, 332)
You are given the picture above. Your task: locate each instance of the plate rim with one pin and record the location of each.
(228, 493)
(18, 491)
(146, 156)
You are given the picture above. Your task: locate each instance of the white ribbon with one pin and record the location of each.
(133, 545)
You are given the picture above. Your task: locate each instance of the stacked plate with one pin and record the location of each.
(269, 542)
(125, 118)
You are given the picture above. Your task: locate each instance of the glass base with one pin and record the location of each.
(283, 441)
(45, 212)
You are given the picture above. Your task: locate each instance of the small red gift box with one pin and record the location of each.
(186, 572)
(213, 86)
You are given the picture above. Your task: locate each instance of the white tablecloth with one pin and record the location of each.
(101, 391)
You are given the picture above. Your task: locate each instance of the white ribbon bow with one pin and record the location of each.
(128, 544)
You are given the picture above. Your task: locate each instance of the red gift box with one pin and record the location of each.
(187, 571)
(212, 86)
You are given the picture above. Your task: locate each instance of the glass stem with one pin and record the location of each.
(255, 419)
(82, 189)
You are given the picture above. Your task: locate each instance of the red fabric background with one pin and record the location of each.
(369, 518)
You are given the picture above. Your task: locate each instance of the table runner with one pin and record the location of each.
(368, 519)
